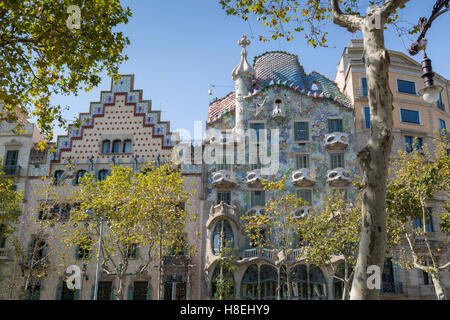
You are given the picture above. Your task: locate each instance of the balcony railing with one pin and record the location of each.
(388, 287)
(4, 254)
(362, 92)
(268, 254)
(12, 170)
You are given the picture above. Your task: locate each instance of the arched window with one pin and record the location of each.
(127, 146)
(58, 177)
(102, 175)
(269, 282)
(80, 174)
(338, 285)
(299, 280)
(106, 146)
(116, 148)
(317, 283)
(222, 236)
(249, 285)
(226, 276)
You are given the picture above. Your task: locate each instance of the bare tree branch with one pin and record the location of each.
(351, 22)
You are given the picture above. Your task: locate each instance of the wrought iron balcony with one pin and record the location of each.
(260, 253)
(12, 170)
(5, 254)
(302, 178)
(338, 177)
(336, 141)
(362, 92)
(390, 287)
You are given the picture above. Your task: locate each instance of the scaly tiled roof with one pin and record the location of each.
(282, 69)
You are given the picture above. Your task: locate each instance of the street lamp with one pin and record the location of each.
(99, 253)
(430, 92)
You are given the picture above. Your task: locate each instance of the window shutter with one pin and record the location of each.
(149, 291)
(76, 294)
(130, 292)
(113, 289)
(59, 290)
(92, 292)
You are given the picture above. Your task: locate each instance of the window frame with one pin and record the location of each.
(419, 112)
(333, 154)
(310, 191)
(251, 198)
(294, 122)
(366, 119)
(410, 81)
(308, 161)
(340, 120)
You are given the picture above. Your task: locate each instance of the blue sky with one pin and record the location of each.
(180, 47)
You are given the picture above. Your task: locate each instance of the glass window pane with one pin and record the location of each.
(335, 125)
(406, 86)
(258, 198)
(306, 195)
(410, 116)
(302, 161)
(367, 117)
(301, 131)
(106, 146)
(116, 146)
(337, 160)
(364, 86)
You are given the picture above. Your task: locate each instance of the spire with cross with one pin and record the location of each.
(243, 68)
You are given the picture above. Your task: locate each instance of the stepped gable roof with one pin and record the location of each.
(277, 68)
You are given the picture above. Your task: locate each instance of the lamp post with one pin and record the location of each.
(430, 92)
(99, 253)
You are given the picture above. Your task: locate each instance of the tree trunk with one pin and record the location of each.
(121, 289)
(374, 161)
(438, 287)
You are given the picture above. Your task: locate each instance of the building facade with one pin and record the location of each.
(413, 119)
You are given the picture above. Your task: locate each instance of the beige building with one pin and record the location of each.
(16, 153)
(413, 118)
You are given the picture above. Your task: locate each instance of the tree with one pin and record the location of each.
(417, 177)
(43, 51)
(139, 210)
(224, 282)
(334, 231)
(374, 157)
(9, 205)
(279, 222)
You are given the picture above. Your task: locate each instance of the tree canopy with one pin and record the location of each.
(44, 53)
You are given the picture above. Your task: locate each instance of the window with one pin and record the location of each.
(11, 167)
(227, 276)
(404, 86)
(440, 103)
(140, 290)
(317, 285)
(418, 224)
(33, 291)
(105, 290)
(249, 285)
(78, 176)
(127, 146)
(442, 128)
(66, 293)
(102, 175)
(131, 251)
(410, 142)
(37, 251)
(106, 146)
(2, 236)
(224, 196)
(364, 90)
(410, 116)
(83, 250)
(337, 160)
(222, 236)
(174, 288)
(257, 127)
(426, 277)
(301, 131)
(225, 165)
(335, 125)
(116, 146)
(388, 278)
(258, 198)
(367, 117)
(58, 177)
(306, 195)
(302, 161)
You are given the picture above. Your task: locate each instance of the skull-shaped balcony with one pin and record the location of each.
(338, 177)
(254, 179)
(336, 141)
(223, 179)
(255, 211)
(302, 178)
(302, 212)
